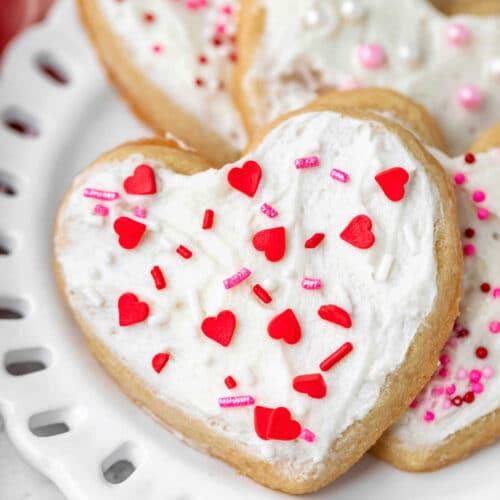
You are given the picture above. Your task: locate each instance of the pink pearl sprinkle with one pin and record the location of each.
(429, 416)
(496, 293)
(469, 250)
(462, 374)
(157, 48)
(99, 194)
(311, 283)
(414, 404)
(475, 375)
(140, 212)
(488, 372)
(226, 9)
(307, 162)
(477, 388)
(469, 97)
(479, 196)
(237, 278)
(483, 214)
(339, 175)
(459, 178)
(308, 435)
(457, 34)
(451, 389)
(268, 210)
(446, 404)
(236, 401)
(495, 327)
(443, 372)
(101, 210)
(371, 55)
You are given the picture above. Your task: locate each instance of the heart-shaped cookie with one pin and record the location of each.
(458, 411)
(368, 324)
(172, 62)
(293, 50)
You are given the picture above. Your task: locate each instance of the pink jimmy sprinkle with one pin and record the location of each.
(308, 435)
(99, 194)
(414, 404)
(196, 4)
(268, 210)
(339, 175)
(307, 162)
(101, 210)
(496, 293)
(311, 284)
(140, 212)
(237, 278)
(236, 401)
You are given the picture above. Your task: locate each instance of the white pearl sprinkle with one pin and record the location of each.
(351, 11)
(267, 451)
(409, 55)
(312, 18)
(494, 69)
(270, 285)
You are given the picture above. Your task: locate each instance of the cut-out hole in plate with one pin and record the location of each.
(122, 463)
(26, 361)
(51, 68)
(8, 185)
(20, 122)
(6, 245)
(12, 308)
(54, 422)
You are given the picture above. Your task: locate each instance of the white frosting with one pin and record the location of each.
(295, 60)
(184, 34)
(386, 313)
(478, 309)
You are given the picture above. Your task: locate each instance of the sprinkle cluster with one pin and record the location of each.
(285, 326)
(454, 385)
(219, 34)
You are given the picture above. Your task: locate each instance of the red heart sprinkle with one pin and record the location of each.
(261, 416)
(130, 310)
(220, 328)
(313, 385)
(272, 242)
(141, 182)
(275, 423)
(281, 426)
(159, 361)
(246, 179)
(358, 232)
(335, 314)
(392, 181)
(285, 326)
(129, 231)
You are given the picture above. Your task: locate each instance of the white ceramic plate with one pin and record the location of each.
(74, 123)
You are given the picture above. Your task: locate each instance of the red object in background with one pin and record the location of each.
(15, 15)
